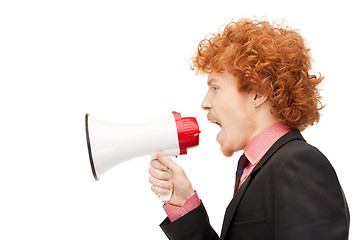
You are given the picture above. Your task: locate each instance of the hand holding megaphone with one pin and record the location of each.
(162, 170)
(165, 175)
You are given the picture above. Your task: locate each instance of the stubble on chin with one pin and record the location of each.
(227, 151)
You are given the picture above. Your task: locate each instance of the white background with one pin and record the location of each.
(126, 60)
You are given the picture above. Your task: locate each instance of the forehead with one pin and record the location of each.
(221, 78)
(214, 78)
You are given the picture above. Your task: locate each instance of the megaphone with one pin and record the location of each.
(110, 144)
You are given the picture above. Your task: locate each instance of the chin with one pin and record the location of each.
(227, 151)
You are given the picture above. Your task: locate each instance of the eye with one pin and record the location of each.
(215, 88)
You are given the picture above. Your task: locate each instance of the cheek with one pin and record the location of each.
(240, 129)
(233, 142)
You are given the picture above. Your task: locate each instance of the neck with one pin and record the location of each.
(263, 120)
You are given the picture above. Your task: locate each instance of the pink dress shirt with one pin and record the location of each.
(254, 151)
(260, 144)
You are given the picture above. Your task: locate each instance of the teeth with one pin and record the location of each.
(212, 121)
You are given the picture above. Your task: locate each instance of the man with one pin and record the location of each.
(261, 95)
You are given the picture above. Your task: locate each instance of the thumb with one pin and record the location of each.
(166, 161)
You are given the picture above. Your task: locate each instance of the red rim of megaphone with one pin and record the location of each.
(188, 132)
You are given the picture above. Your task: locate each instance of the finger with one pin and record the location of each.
(161, 191)
(159, 174)
(158, 165)
(159, 183)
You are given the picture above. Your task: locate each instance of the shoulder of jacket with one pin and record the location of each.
(299, 154)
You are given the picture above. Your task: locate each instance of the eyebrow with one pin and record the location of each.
(211, 81)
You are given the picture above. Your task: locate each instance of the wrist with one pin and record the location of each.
(186, 197)
(175, 212)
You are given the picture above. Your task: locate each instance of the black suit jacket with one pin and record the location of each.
(292, 193)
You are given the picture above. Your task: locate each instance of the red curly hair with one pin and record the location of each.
(268, 60)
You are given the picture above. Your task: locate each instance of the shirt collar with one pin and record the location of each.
(262, 142)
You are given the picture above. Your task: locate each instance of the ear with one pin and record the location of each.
(259, 99)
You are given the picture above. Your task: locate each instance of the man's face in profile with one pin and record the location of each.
(231, 110)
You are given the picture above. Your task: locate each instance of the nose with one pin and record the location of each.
(205, 105)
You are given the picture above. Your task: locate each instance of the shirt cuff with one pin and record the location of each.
(174, 212)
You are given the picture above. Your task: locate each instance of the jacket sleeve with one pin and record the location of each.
(194, 225)
(309, 202)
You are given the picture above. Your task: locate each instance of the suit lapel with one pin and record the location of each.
(290, 136)
(231, 209)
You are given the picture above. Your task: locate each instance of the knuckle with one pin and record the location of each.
(164, 175)
(154, 163)
(169, 185)
(179, 171)
(159, 190)
(152, 172)
(164, 191)
(154, 189)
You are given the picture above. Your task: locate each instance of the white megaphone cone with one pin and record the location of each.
(110, 144)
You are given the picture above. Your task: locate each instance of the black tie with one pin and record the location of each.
(243, 161)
